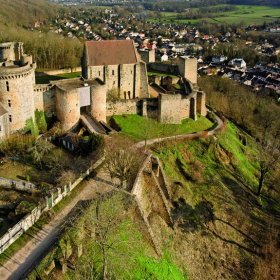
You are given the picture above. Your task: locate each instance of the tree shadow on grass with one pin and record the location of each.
(201, 217)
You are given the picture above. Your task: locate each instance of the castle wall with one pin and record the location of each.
(144, 85)
(188, 68)
(4, 125)
(185, 108)
(112, 77)
(120, 107)
(147, 56)
(67, 107)
(98, 102)
(44, 100)
(169, 108)
(96, 72)
(16, 92)
(127, 90)
(163, 67)
(201, 99)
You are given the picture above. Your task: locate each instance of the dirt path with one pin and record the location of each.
(17, 267)
(157, 140)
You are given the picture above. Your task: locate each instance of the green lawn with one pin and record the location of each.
(47, 78)
(135, 126)
(161, 73)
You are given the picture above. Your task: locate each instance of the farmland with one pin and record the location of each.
(244, 13)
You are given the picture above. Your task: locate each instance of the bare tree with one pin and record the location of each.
(267, 158)
(122, 160)
(105, 223)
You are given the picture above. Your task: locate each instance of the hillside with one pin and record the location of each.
(222, 230)
(26, 12)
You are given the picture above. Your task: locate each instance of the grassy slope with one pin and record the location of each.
(220, 229)
(224, 243)
(134, 126)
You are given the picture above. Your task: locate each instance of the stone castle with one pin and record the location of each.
(108, 67)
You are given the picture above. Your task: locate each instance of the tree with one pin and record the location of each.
(105, 224)
(268, 156)
(122, 160)
(40, 149)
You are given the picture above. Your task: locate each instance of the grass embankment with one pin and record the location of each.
(222, 232)
(45, 79)
(135, 126)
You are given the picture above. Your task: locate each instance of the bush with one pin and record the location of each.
(27, 178)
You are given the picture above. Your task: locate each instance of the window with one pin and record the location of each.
(9, 103)
(114, 82)
(99, 73)
(7, 86)
(113, 72)
(10, 118)
(128, 94)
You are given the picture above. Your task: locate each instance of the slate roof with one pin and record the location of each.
(111, 52)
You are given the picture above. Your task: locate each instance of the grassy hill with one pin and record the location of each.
(26, 12)
(222, 229)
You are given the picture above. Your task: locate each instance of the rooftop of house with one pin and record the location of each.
(111, 52)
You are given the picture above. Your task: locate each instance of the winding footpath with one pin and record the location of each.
(27, 257)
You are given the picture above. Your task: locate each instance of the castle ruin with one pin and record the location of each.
(108, 67)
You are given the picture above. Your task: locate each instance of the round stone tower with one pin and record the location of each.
(17, 80)
(98, 101)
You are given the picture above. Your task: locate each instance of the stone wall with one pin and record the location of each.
(169, 108)
(188, 68)
(68, 107)
(120, 107)
(98, 102)
(148, 56)
(16, 87)
(144, 85)
(16, 185)
(173, 69)
(44, 99)
(63, 71)
(127, 83)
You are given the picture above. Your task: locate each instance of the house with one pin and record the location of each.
(238, 63)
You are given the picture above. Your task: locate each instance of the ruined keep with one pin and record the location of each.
(108, 68)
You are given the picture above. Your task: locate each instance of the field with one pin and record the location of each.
(136, 127)
(244, 13)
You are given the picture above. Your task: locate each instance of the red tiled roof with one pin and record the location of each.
(113, 52)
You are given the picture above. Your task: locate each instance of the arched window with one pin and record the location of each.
(7, 86)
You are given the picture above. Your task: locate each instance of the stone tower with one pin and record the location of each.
(17, 80)
(188, 68)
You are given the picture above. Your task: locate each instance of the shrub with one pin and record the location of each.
(27, 178)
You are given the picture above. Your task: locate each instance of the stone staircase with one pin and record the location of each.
(91, 124)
